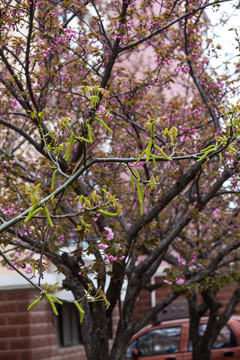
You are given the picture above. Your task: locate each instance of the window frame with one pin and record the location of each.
(233, 339)
(68, 325)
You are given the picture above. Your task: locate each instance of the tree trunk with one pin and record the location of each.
(201, 353)
(100, 332)
(94, 327)
(120, 345)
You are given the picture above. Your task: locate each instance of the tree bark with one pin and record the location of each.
(201, 353)
(94, 327)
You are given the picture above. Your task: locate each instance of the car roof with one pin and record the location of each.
(176, 321)
(179, 321)
(186, 320)
(235, 317)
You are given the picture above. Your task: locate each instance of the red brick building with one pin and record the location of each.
(179, 308)
(35, 334)
(40, 335)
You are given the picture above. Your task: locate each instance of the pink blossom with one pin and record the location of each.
(110, 257)
(181, 261)
(110, 234)
(28, 270)
(167, 282)
(103, 246)
(216, 213)
(180, 281)
(194, 256)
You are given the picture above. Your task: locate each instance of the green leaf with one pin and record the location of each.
(80, 138)
(49, 297)
(53, 178)
(71, 144)
(140, 157)
(132, 181)
(106, 213)
(136, 173)
(162, 152)
(90, 134)
(206, 154)
(140, 192)
(32, 212)
(48, 216)
(232, 148)
(153, 159)
(80, 309)
(220, 158)
(148, 150)
(56, 299)
(208, 148)
(35, 302)
(173, 132)
(103, 123)
(94, 195)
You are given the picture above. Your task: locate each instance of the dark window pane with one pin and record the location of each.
(130, 349)
(68, 325)
(159, 341)
(225, 339)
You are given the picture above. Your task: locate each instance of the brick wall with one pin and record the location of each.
(143, 304)
(30, 335)
(224, 296)
(144, 300)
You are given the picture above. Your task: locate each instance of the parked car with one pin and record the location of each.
(169, 340)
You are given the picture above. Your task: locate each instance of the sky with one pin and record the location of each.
(225, 37)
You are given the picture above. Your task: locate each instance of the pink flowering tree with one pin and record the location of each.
(116, 140)
(211, 236)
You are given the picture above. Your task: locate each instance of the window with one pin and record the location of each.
(177, 310)
(69, 332)
(157, 342)
(225, 339)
